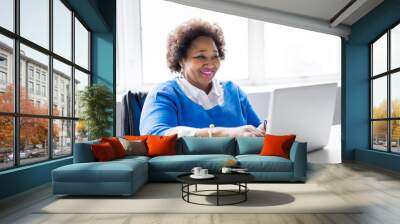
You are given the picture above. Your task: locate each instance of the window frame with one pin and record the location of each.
(16, 115)
(388, 74)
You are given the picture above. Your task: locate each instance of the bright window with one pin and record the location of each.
(292, 53)
(385, 92)
(33, 119)
(155, 33)
(257, 53)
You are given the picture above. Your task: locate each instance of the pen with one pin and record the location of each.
(265, 125)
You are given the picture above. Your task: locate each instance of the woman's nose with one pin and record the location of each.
(211, 62)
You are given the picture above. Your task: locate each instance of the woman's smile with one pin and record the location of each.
(207, 72)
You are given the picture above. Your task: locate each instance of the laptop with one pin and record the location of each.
(305, 111)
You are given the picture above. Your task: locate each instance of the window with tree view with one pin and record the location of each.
(385, 91)
(43, 58)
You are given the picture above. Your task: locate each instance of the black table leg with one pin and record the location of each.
(217, 194)
(245, 193)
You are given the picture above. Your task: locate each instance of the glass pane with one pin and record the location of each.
(62, 138)
(6, 74)
(33, 139)
(395, 94)
(155, 34)
(379, 135)
(6, 142)
(379, 55)
(301, 54)
(62, 29)
(395, 47)
(379, 98)
(34, 97)
(35, 21)
(62, 89)
(81, 81)
(81, 131)
(81, 45)
(395, 138)
(7, 14)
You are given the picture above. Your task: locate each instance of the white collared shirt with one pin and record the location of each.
(207, 101)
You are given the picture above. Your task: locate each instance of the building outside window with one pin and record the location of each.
(44, 77)
(37, 74)
(3, 61)
(38, 89)
(30, 72)
(3, 72)
(30, 87)
(3, 78)
(43, 90)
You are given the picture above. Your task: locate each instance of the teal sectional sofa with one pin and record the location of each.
(125, 176)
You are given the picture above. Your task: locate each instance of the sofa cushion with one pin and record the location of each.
(277, 145)
(83, 152)
(134, 147)
(131, 158)
(161, 145)
(103, 152)
(201, 145)
(185, 163)
(249, 145)
(116, 145)
(111, 171)
(257, 163)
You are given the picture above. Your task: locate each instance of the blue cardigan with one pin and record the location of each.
(167, 106)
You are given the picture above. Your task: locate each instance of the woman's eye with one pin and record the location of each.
(200, 57)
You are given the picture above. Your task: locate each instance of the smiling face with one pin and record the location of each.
(201, 63)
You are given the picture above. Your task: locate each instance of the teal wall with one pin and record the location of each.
(24, 178)
(356, 101)
(100, 17)
(104, 52)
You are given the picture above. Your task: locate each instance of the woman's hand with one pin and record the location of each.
(263, 126)
(246, 130)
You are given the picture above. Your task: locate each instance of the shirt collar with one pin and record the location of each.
(216, 88)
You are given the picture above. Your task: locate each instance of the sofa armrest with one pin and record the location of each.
(83, 152)
(298, 155)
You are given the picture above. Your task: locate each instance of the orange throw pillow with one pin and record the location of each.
(161, 145)
(134, 137)
(116, 145)
(103, 152)
(277, 145)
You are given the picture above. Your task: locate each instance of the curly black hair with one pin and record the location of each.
(179, 40)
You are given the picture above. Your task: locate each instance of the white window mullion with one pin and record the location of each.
(129, 50)
(256, 52)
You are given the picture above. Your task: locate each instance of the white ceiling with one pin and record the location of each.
(320, 9)
(317, 9)
(315, 15)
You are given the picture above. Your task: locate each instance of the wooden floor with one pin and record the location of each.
(377, 188)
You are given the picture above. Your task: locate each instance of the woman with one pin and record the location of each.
(196, 104)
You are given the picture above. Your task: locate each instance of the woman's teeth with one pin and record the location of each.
(207, 72)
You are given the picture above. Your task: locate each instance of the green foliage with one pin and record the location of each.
(97, 102)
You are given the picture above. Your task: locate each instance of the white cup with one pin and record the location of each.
(196, 170)
(226, 170)
(203, 172)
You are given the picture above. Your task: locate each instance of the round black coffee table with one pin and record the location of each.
(238, 179)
